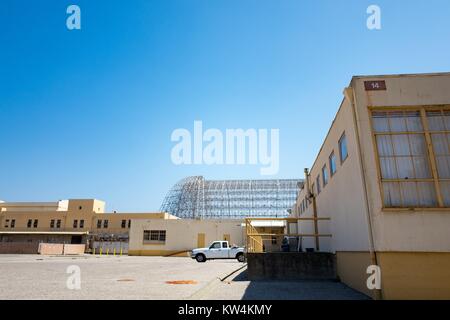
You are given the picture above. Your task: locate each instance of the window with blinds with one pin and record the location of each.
(413, 156)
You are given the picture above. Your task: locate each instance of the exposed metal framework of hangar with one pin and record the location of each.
(198, 198)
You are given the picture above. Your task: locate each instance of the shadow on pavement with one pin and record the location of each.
(296, 290)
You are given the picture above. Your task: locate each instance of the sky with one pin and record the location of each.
(89, 113)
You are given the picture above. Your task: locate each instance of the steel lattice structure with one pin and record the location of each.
(197, 198)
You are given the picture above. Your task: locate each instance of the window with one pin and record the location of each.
(29, 223)
(129, 224)
(99, 224)
(58, 224)
(52, 223)
(215, 245)
(343, 152)
(224, 245)
(105, 224)
(35, 223)
(439, 127)
(318, 184)
(332, 163)
(80, 208)
(6, 223)
(81, 223)
(124, 223)
(155, 236)
(274, 240)
(405, 143)
(75, 223)
(13, 223)
(324, 175)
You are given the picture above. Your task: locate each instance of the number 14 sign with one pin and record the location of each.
(375, 85)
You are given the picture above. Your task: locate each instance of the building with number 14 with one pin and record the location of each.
(382, 176)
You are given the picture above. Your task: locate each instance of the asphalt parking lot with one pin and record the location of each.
(107, 277)
(115, 277)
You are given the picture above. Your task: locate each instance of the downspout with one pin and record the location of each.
(309, 195)
(351, 96)
(308, 189)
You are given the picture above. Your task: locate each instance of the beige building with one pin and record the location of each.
(383, 177)
(23, 225)
(167, 237)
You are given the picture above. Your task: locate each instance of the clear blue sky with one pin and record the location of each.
(89, 113)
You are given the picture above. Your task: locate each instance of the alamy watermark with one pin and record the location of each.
(374, 19)
(374, 280)
(233, 147)
(73, 22)
(73, 282)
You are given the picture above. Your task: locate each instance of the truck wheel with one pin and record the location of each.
(240, 257)
(200, 257)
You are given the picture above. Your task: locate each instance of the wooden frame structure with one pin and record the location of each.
(254, 239)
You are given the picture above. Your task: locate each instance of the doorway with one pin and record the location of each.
(75, 240)
(200, 240)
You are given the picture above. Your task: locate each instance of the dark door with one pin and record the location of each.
(76, 240)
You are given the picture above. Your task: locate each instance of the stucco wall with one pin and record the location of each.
(342, 199)
(88, 210)
(395, 230)
(351, 269)
(412, 245)
(415, 275)
(182, 234)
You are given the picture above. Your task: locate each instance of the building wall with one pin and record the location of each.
(415, 275)
(182, 235)
(351, 270)
(36, 238)
(342, 199)
(401, 230)
(89, 210)
(411, 244)
(29, 243)
(61, 205)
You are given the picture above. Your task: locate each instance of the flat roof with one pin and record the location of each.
(267, 223)
(432, 74)
(46, 232)
(28, 204)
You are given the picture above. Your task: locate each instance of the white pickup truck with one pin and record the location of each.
(218, 250)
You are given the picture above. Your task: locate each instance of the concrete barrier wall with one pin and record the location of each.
(291, 266)
(74, 248)
(51, 248)
(59, 249)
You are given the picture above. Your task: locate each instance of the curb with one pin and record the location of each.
(211, 285)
